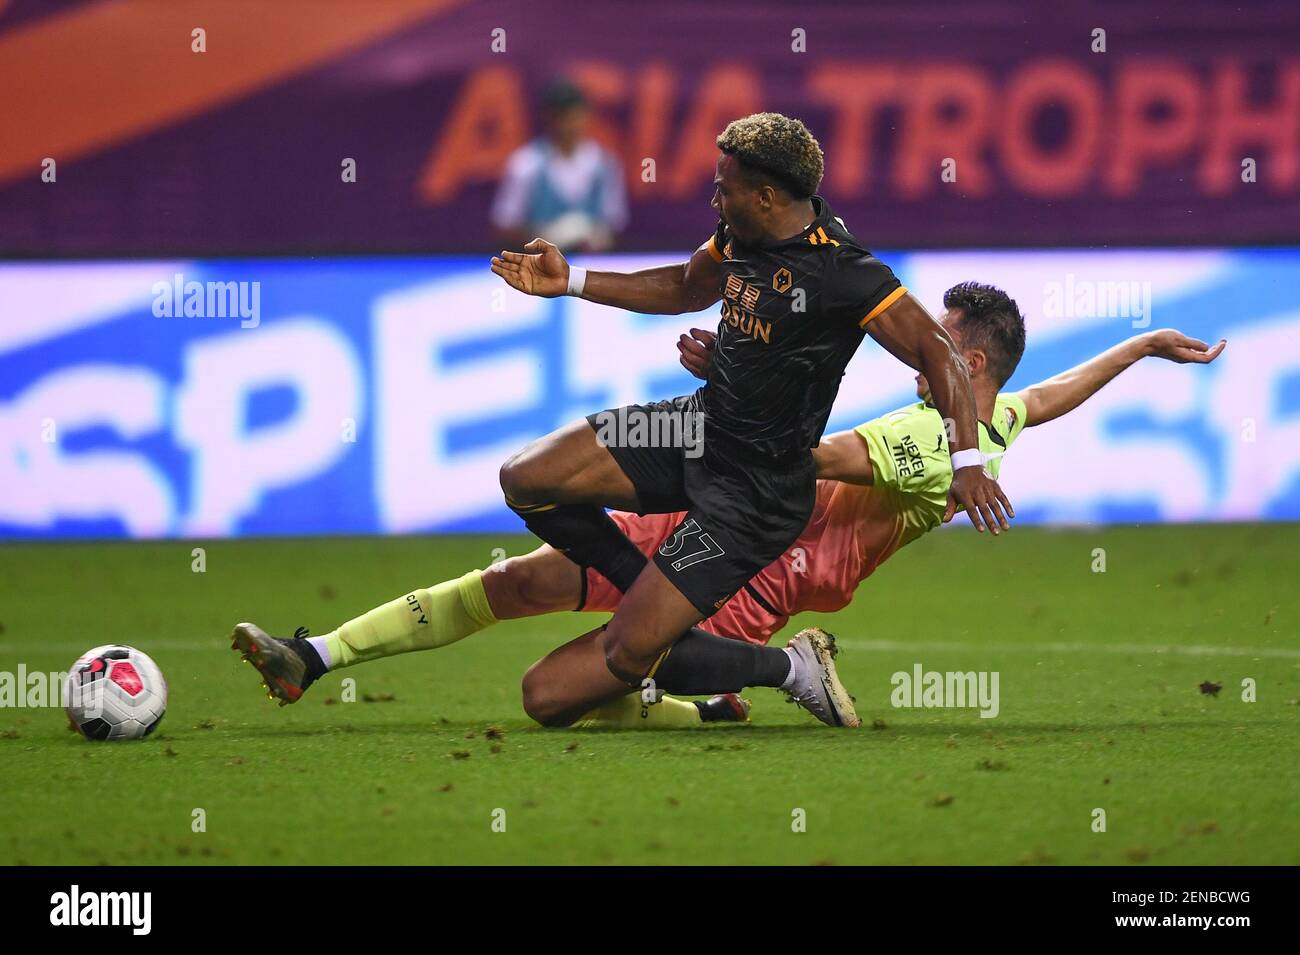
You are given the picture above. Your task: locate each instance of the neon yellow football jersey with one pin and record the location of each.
(911, 461)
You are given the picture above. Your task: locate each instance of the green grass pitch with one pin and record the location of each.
(1100, 709)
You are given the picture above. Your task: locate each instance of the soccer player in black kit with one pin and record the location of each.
(799, 293)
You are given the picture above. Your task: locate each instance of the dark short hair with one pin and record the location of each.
(990, 321)
(778, 147)
(562, 95)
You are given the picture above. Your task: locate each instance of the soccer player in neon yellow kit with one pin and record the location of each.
(880, 486)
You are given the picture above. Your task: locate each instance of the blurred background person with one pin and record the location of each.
(562, 186)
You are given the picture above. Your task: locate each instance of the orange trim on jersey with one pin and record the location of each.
(712, 246)
(885, 302)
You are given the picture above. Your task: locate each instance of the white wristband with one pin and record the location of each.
(577, 280)
(970, 457)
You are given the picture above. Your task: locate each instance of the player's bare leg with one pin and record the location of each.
(560, 485)
(567, 466)
(572, 684)
(539, 582)
(570, 680)
(602, 664)
(608, 663)
(650, 617)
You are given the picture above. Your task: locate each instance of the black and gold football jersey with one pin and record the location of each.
(793, 314)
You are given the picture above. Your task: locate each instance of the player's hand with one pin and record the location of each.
(545, 272)
(696, 351)
(980, 497)
(1174, 345)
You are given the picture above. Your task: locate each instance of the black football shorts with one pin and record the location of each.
(741, 515)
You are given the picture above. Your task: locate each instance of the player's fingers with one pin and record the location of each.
(537, 245)
(515, 257)
(1186, 341)
(512, 279)
(1217, 350)
(992, 513)
(1204, 355)
(504, 266)
(999, 515)
(704, 337)
(1192, 356)
(692, 347)
(1004, 500)
(986, 512)
(967, 503)
(950, 509)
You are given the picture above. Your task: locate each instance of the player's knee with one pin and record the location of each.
(540, 702)
(526, 479)
(622, 661)
(517, 480)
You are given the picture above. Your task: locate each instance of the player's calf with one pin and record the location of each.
(651, 617)
(542, 581)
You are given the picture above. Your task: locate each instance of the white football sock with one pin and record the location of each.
(797, 673)
(322, 648)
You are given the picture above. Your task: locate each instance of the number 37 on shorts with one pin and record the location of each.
(689, 545)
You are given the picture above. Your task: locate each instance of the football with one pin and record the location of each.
(115, 692)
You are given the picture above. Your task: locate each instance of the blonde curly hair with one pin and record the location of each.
(777, 145)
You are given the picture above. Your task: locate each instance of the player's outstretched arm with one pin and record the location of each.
(912, 335)
(541, 269)
(1063, 393)
(843, 456)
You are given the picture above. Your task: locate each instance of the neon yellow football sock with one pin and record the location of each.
(421, 620)
(628, 712)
